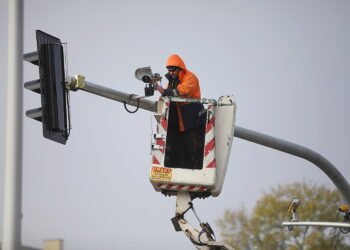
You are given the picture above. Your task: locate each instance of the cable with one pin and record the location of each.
(137, 108)
(65, 53)
(192, 240)
(68, 114)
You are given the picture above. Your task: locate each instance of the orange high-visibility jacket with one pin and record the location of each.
(186, 86)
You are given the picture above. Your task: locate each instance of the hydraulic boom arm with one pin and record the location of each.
(203, 240)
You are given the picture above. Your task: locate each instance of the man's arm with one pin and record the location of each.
(188, 85)
(167, 92)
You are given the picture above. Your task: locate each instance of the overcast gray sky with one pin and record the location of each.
(286, 63)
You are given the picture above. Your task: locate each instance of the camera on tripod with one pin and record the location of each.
(151, 80)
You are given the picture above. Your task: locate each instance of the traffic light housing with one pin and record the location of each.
(54, 111)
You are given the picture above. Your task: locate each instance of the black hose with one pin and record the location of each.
(134, 111)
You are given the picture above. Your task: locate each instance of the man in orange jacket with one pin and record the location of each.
(185, 139)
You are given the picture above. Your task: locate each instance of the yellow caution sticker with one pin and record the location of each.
(161, 174)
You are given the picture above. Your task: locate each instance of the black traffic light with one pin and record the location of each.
(54, 111)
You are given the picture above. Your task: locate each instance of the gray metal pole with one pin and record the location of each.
(317, 223)
(242, 133)
(13, 142)
(291, 148)
(119, 96)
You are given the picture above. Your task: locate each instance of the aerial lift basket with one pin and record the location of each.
(218, 132)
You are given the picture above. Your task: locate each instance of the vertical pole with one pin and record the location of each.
(13, 141)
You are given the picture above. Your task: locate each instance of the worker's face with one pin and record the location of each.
(174, 72)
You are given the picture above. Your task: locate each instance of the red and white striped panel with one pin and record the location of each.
(182, 187)
(209, 148)
(158, 154)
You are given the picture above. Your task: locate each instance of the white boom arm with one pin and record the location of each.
(203, 240)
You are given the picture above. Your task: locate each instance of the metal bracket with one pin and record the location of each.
(31, 57)
(76, 82)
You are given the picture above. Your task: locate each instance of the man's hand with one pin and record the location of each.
(159, 88)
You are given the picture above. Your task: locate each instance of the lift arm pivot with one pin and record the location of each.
(203, 240)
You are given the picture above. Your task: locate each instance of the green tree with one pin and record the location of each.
(261, 229)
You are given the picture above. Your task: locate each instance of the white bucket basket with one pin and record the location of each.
(218, 134)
